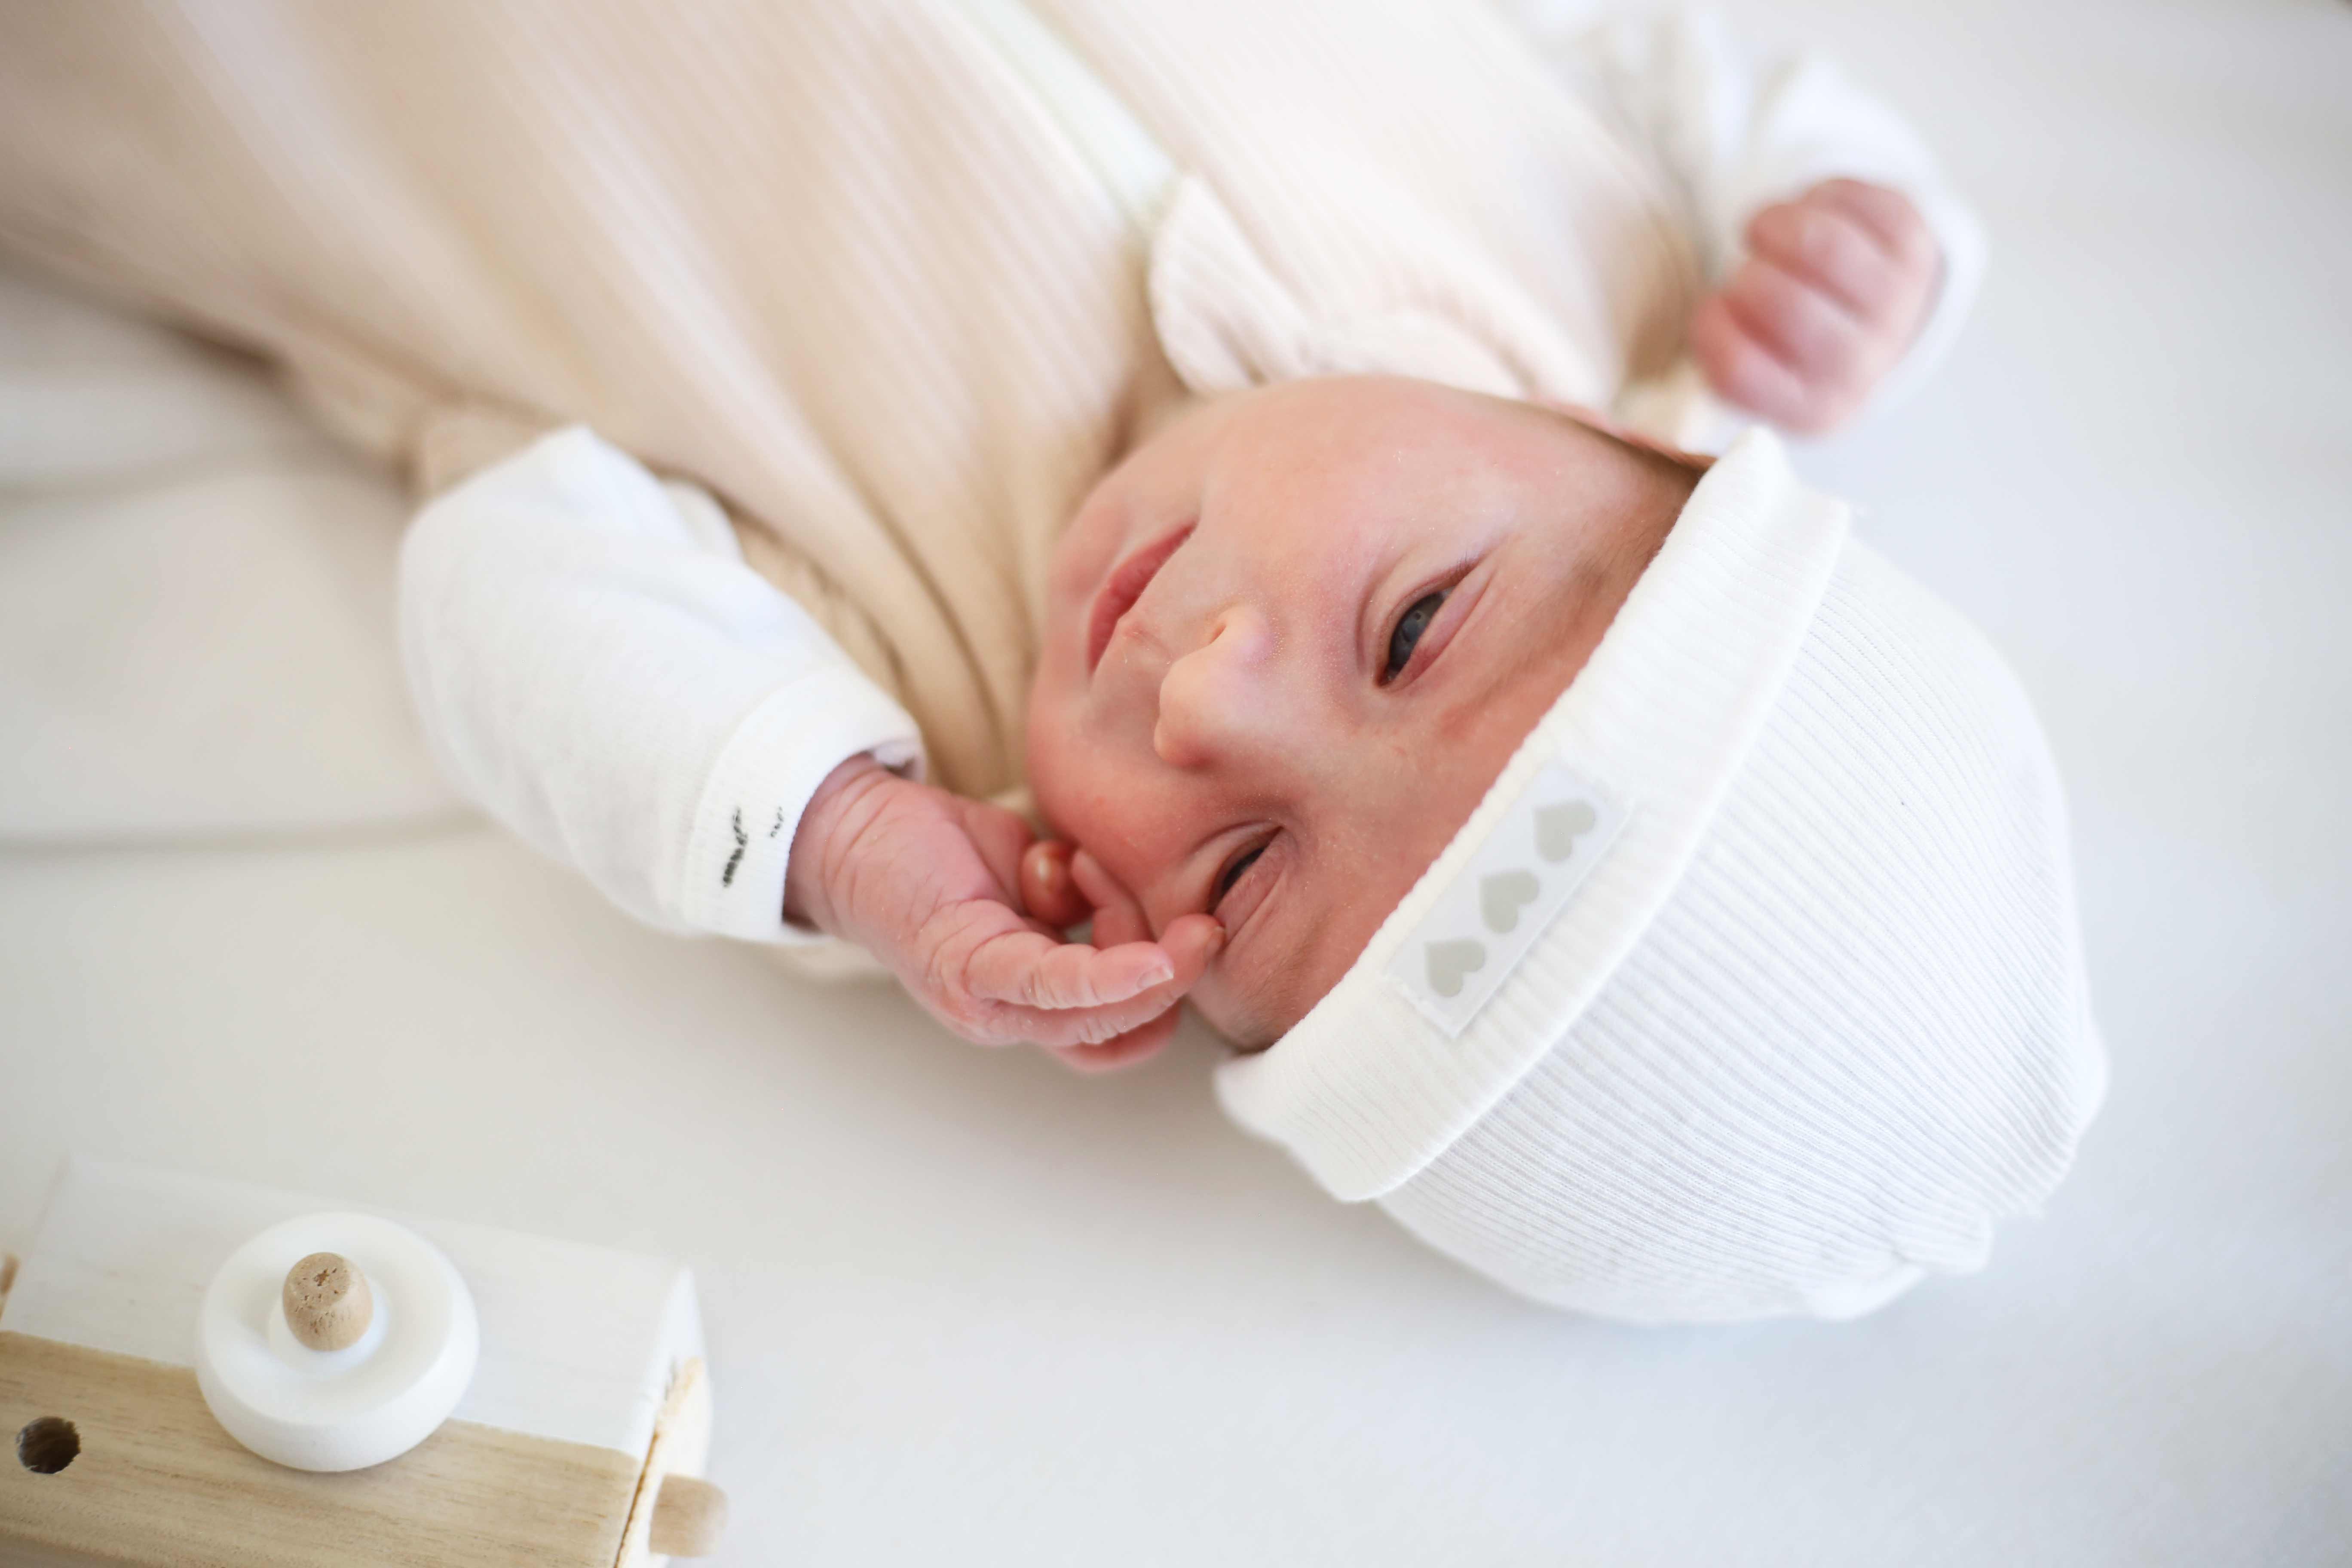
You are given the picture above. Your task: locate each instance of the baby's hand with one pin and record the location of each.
(1834, 287)
(927, 881)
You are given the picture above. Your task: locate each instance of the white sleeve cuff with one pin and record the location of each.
(732, 882)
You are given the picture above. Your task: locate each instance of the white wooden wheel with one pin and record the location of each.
(381, 1342)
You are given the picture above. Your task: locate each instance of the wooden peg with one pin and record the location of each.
(689, 1516)
(327, 1300)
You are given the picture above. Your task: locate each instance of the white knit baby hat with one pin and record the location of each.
(1754, 984)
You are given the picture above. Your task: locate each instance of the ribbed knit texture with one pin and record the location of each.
(1856, 1035)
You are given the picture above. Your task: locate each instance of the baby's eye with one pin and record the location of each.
(1233, 874)
(1409, 628)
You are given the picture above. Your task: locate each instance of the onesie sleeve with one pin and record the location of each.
(1732, 134)
(598, 669)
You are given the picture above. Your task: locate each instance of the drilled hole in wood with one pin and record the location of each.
(47, 1446)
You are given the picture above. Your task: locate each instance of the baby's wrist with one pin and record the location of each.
(829, 826)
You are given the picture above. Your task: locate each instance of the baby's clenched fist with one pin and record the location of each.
(1834, 287)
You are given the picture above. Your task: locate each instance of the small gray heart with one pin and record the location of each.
(1500, 896)
(1450, 960)
(1557, 825)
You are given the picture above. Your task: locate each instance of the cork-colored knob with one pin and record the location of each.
(689, 1516)
(327, 1304)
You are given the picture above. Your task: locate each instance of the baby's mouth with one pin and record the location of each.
(1124, 586)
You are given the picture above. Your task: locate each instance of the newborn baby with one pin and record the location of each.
(1254, 740)
(927, 480)
(1289, 643)
(1261, 722)
(1295, 638)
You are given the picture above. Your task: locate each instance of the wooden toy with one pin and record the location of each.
(425, 1392)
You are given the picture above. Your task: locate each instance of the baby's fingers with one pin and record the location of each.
(1124, 1051)
(1118, 917)
(1750, 374)
(1830, 249)
(1047, 889)
(1888, 214)
(1029, 969)
(1072, 976)
(1803, 328)
(1188, 944)
(1193, 940)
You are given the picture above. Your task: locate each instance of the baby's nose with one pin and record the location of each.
(1214, 700)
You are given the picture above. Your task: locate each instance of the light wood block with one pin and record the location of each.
(157, 1481)
(589, 1392)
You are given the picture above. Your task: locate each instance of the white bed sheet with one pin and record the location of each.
(966, 1308)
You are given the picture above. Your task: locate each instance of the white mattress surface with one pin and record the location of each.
(964, 1308)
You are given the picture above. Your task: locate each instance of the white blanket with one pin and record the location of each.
(965, 1309)
(195, 597)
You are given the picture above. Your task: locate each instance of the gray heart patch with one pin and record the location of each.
(1557, 828)
(1450, 960)
(1501, 895)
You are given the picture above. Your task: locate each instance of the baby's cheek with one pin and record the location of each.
(1049, 779)
(1073, 787)
(1049, 737)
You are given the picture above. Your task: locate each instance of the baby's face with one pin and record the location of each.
(1292, 639)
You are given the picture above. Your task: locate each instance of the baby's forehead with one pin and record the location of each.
(1377, 429)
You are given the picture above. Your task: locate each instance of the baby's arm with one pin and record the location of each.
(1840, 262)
(597, 668)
